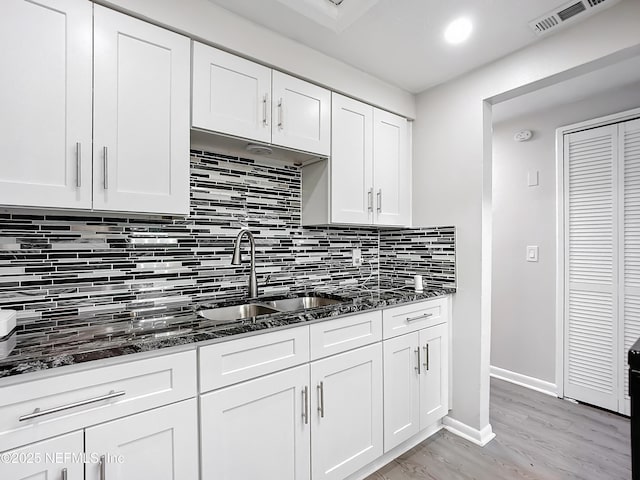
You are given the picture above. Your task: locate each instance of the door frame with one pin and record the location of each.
(560, 231)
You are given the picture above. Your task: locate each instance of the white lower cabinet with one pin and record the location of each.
(322, 421)
(58, 458)
(346, 410)
(258, 429)
(416, 379)
(160, 444)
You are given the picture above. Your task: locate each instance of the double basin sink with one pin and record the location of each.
(237, 313)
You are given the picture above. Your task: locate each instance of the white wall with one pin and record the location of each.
(523, 326)
(452, 177)
(214, 25)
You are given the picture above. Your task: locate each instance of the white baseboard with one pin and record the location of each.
(479, 437)
(536, 384)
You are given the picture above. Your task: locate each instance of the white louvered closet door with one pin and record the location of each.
(629, 145)
(591, 258)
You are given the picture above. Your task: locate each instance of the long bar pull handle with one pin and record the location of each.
(305, 402)
(39, 413)
(103, 468)
(426, 356)
(370, 200)
(105, 153)
(64, 474)
(419, 317)
(280, 115)
(78, 164)
(417, 350)
(321, 405)
(379, 195)
(264, 109)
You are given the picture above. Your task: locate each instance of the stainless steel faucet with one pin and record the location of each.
(237, 260)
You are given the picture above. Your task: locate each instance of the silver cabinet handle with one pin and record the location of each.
(105, 153)
(280, 115)
(370, 200)
(379, 195)
(78, 164)
(64, 474)
(426, 356)
(321, 405)
(103, 468)
(264, 110)
(418, 367)
(39, 413)
(305, 403)
(419, 317)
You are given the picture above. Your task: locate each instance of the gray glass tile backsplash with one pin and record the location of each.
(53, 265)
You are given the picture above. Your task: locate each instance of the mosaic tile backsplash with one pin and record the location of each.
(54, 265)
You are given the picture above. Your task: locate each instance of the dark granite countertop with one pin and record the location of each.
(133, 331)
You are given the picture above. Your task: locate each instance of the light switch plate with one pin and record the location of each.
(532, 253)
(533, 178)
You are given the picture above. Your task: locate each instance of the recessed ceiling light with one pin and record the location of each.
(458, 31)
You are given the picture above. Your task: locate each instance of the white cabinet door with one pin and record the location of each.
(351, 161)
(45, 93)
(392, 169)
(402, 372)
(230, 94)
(347, 412)
(434, 384)
(301, 115)
(141, 116)
(58, 458)
(160, 444)
(258, 429)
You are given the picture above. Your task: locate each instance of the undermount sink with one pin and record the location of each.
(301, 303)
(236, 312)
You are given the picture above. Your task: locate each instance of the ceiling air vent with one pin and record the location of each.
(571, 11)
(567, 13)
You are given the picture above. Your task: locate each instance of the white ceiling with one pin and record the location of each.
(617, 76)
(401, 41)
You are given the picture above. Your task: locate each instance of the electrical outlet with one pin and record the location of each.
(356, 257)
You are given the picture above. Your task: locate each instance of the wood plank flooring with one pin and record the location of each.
(537, 437)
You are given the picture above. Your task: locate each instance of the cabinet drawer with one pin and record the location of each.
(415, 316)
(342, 334)
(76, 400)
(234, 361)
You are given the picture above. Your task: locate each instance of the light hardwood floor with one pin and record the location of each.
(537, 437)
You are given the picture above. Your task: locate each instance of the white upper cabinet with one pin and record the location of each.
(302, 115)
(237, 97)
(370, 168)
(45, 93)
(392, 169)
(230, 94)
(351, 161)
(139, 161)
(141, 116)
